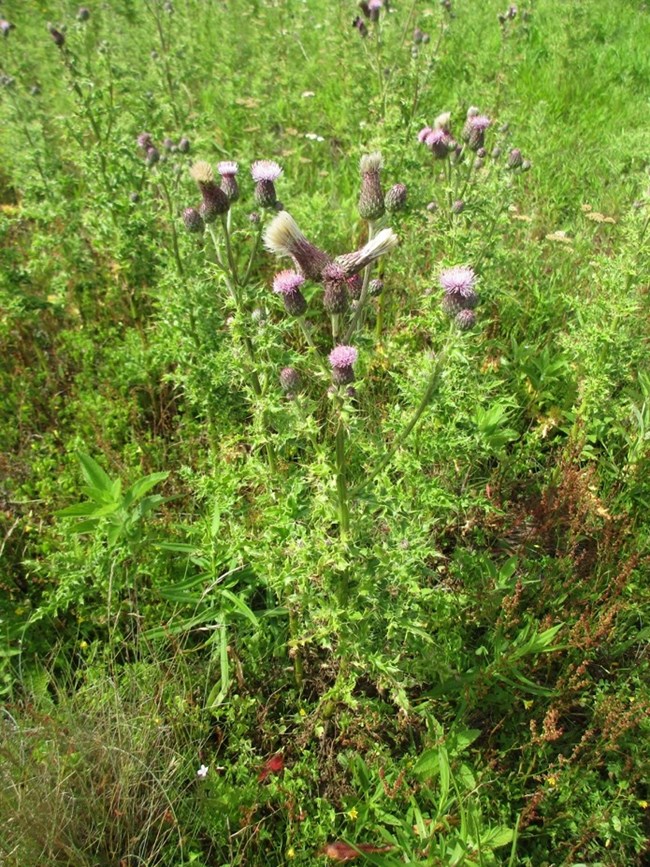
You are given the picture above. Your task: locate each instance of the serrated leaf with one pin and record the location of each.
(93, 473)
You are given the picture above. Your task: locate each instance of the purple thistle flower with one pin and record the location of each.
(215, 201)
(458, 281)
(152, 157)
(184, 145)
(265, 170)
(374, 7)
(228, 171)
(475, 129)
(342, 359)
(145, 141)
(424, 132)
(265, 173)
(287, 284)
(438, 142)
(458, 206)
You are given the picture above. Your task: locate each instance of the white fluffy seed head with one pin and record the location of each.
(202, 172)
(380, 245)
(370, 163)
(282, 235)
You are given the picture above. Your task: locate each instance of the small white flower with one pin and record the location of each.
(306, 94)
(202, 772)
(312, 136)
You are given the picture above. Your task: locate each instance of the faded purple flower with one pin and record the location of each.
(355, 285)
(265, 173)
(228, 171)
(475, 129)
(515, 159)
(359, 24)
(458, 206)
(289, 380)
(152, 157)
(371, 198)
(57, 36)
(145, 141)
(6, 27)
(335, 295)
(184, 145)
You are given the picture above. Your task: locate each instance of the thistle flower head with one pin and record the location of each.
(343, 356)
(424, 132)
(286, 282)
(193, 220)
(265, 170)
(57, 36)
(466, 319)
(515, 159)
(480, 122)
(355, 285)
(335, 296)
(342, 359)
(184, 145)
(370, 163)
(458, 281)
(153, 156)
(284, 238)
(359, 24)
(473, 111)
(145, 140)
(6, 26)
(395, 199)
(202, 172)
(83, 13)
(227, 168)
(438, 143)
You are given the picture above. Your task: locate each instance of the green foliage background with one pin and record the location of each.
(484, 697)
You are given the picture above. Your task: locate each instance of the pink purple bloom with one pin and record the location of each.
(475, 130)
(228, 171)
(466, 319)
(459, 281)
(265, 170)
(335, 295)
(438, 143)
(424, 132)
(6, 26)
(342, 359)
(289, 380)
(227, 168)
(287, 284)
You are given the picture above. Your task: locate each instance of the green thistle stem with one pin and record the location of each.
(363, 297)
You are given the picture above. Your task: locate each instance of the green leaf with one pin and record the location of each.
(143, 486)
(94, 474)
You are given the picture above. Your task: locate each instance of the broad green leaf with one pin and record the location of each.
(93, 473)
(143, 486)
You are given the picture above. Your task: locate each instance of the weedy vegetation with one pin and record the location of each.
(325, 433)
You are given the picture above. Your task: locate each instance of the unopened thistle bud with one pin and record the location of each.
(254, 218)
(193, 220)
(335, 295)
(475, 130)
(379, 246)
(152, 157)
(169, 145)
(355, 285)
(376, 287)
(83, 14)
(184, 145)
(466, 319)
(284, 238)
(215, 201)
(145, 141)
(417, 36)
(365, 8)
(526, 166)
(496, 152)
(57, 36)
(228, 171)
(342, 360)
(359, 25)
(515, 159)
(371, 200)
(289, 380)
(287, 284)
(265, 173)
(396, 198)
(6, 27)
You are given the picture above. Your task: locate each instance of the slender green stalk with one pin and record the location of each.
(312, 345)
(434, 378)
(229, 252)
(172, 223)
(343, 503)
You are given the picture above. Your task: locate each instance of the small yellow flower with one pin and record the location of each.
(302, 712)
(83, 645)
(353, 813)
(291, 853)
(552, 781)
(643, 804)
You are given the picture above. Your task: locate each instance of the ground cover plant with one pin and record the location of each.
(325, 432)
